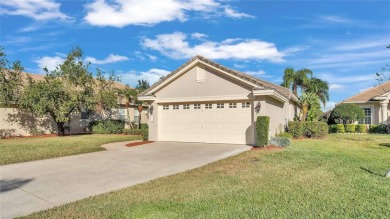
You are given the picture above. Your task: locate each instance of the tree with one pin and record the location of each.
(320, 88)
(348, 113)
(142, 85)
(10, 80)
(296, 79)
(309, 103)
(69, 89)
(131, 96)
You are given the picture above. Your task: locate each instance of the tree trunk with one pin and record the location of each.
(60, 128)
(139, 121)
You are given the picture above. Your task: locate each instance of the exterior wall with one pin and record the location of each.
(277, 111)
(153, 121)
(213, 85)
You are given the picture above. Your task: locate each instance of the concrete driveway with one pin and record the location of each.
(33, 186)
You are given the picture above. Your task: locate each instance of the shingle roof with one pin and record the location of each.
(370, 94)
(282, 90)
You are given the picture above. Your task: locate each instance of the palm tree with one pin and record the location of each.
(296, 79)
(131, 96)
(307, 100)
(320, 88)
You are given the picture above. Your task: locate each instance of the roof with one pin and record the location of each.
(282, 90)
(39, 77)
(370, 93)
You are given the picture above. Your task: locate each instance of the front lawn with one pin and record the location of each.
(28, 149)
(341, 177)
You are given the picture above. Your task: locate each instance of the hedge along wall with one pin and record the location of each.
(308, 129)
(262, 130)
(349, 128)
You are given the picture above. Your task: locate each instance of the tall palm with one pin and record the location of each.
(320, 88)
(296, 79)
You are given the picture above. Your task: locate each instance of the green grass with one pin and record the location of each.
(27, 149)
(340, 177)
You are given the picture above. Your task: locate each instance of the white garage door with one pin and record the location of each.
(211, 123)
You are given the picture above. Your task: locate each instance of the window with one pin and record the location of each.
(165, 107)
(121, 113)
(196, 106)
(136, 116)
(208, 106)
(186, 106)
(246, 105)
(220, 105)
(84, 115)
(175, 106)
(232, 105)
(367, 118)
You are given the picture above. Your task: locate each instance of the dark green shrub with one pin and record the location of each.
(333, 128)
(279, 141)
(315, 129)
(361, 128)
(373, 129)
(347, 112)
(262, 130)
(295, 129)
(378, 129)
(106, 126)
(144, 126)
(284, 135)
(350, 128)
(340, 128)
(145, 135)
(133, 131)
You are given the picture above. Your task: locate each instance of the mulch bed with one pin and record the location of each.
(138, 143)
(33, 136)
(268, 147)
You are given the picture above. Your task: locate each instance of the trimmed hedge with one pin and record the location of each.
(333, 128)
(340, 128)
(262, 130)
(308, 129)
(295, 128)
(106, 126)
(361, 128)
(378, 129)
(143, 132)
(350, 128)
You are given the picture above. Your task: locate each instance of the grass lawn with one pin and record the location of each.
(28, 149)
(340, 177)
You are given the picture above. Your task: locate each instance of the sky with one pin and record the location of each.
(342, 42)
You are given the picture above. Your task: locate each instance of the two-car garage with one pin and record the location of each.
(212, 122)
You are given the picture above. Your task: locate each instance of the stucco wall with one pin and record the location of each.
(375, 111)
(276, 110)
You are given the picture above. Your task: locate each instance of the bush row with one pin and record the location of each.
(106, 127)
(308, 129)
(359, 128)
(143, 132)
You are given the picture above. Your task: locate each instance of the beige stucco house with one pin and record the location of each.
(25, 123)
(375, 103)
(203, 101)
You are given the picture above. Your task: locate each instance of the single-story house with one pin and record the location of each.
(25, 123)
(375, 103)
(203, 101)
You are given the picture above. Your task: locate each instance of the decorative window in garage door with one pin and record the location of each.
(196, 106)
(246, 105)
(220, 105)
(175, 107)
(186, 106)
(232, 105)
(165, 107)
(208, 106)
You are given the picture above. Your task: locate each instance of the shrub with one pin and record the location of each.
(144, 126)
(262, 130)
(347, 112)
(340, 128)
(4, 133)
(143, 132)
(333, 128)
(378, 129)
(106, 126)
(295, 129)
(315, 129)
(350, 128)
(361, 128)
(284, 135)
(279, 141)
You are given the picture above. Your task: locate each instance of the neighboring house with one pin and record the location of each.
(203, 101)
(375, 103)
(25, 123)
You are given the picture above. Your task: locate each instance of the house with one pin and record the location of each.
(203, 101)
(24, 123)
(375, 103)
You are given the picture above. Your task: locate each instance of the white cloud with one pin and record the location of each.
(176, 46)
(336, 19)
(336, 87)
(144, 56)
(120, 13)
(152, 76)
(41, 10)
(49, 62)
(112, 58)
(258, 74)
(347, 79)
(198, 36)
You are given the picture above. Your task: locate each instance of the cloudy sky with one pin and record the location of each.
(342, 42)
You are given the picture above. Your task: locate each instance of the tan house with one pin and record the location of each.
(375, 103)
(202, 101)
(25, 123)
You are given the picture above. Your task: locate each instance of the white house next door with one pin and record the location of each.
(206, 122)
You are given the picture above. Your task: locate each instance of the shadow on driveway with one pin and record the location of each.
(8, 185)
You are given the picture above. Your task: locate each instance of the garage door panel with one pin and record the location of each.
(215, 125)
